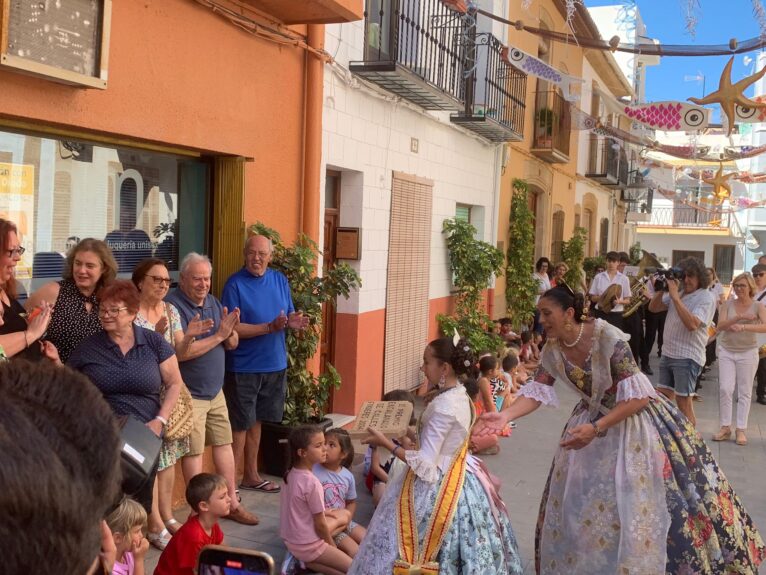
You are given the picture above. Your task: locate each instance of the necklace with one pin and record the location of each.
(579, 335)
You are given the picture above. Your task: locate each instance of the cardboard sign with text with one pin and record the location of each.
(391, 418)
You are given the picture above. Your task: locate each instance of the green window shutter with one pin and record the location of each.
(463, 212)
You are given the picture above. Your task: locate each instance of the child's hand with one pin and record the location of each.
(140, 549)
(406, 442)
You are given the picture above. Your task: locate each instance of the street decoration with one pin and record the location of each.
(729, 95)
(720, 183)
(535, 67)
(668, 116)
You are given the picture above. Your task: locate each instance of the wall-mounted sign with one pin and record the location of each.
(347, 244)
(65, 40)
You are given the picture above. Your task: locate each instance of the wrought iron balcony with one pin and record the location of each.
(603, 161)
(495, 95)
(553, 123)
(681, 216)
(414, 49)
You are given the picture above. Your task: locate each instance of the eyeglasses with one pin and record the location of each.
(19, 251)
(740, 286)
(159, 280)
(261, 255)
(759, 274)
(112, 311)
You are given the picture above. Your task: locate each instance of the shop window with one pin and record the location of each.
(141, 203)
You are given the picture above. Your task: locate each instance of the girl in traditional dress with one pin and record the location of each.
(633, 488)
(443, 515)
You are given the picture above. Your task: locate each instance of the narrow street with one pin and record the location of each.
(523, 467)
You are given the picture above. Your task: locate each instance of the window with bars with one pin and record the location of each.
(723, 262)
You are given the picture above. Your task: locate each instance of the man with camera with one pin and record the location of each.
(682, 290)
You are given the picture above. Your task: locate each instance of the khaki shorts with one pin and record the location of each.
(211, 424)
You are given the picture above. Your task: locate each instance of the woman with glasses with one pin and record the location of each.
(739, 320)
(129, 365)
(89, 267)
(152, 279)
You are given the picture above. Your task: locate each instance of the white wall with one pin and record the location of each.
(367, 135)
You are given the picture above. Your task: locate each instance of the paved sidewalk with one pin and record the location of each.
(523, 465)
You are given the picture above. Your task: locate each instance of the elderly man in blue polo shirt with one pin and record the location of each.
(255, 384)
(202, 368)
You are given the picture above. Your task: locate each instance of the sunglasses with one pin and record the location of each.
(759, 274)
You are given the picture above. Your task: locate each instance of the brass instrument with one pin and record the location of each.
(607, 300)
(638, 283)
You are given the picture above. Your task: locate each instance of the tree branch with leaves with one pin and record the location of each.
(521, 287)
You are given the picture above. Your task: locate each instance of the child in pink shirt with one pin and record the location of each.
(127, 523)
(305, 526)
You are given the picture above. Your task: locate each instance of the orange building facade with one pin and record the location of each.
(207, 120)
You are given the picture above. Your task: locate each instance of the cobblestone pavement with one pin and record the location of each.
(523, 465)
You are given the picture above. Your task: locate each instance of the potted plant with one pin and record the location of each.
(545, 119)
(307, 394)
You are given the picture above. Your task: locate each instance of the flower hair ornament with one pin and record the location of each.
(455, 338)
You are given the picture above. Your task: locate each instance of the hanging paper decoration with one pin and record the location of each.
(669, 116)
(536, 67)
(691, 16)
(747, 115)
(720, 183)
(729, 95)
(760, 14)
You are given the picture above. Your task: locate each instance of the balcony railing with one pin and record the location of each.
(552, 127)
(687, 217)
(603, 161)
(495, 96)
(414, 49)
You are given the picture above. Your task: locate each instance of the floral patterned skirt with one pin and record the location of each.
(172, 451)
(647, 499)
(480, 538)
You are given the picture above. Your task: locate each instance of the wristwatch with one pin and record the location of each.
(599, 432)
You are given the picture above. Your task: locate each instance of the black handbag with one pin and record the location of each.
(139, 452)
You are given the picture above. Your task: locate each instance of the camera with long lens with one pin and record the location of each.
(662, 276)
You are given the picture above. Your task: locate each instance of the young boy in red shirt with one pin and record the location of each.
(208, 495)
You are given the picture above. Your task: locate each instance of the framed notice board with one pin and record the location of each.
(63, 40)
(347, 244)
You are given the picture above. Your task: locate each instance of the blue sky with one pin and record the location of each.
(718, 21)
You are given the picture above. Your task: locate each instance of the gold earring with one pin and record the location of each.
(568, 326)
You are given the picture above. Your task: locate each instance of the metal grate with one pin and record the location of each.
(409, 258)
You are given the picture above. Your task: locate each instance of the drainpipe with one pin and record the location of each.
(312, 144)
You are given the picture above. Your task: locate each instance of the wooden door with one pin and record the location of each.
(331, 216)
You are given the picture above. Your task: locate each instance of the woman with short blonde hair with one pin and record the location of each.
(739, 320)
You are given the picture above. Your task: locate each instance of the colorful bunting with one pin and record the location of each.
(536, 67)
(669, 116)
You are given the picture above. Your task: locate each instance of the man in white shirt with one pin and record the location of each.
(759, 275)
(605, 279)
(686, 332)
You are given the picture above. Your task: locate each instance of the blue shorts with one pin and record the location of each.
(680, 375)
(253, 397)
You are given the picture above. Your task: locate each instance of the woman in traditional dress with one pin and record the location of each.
(443, 515)
(633, 487)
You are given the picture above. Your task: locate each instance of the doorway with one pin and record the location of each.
(331, 217)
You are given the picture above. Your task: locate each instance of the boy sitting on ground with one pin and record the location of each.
(208, 496)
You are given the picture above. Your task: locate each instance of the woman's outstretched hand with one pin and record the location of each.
(578, 437)
(490, 423)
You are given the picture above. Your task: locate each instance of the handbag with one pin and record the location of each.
(139, 452)
(181, 419)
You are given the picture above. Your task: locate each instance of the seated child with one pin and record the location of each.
(492, 385)
(305, 526)
(527, 353)
(380, 465)
(513, 372)
(208, 496)
(483, 444)
(127, 523)
(339, 486)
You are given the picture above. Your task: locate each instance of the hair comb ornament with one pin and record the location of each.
(565, 286)
(455, 338)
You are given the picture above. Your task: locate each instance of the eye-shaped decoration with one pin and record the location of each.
(744, 112)
(516, 55)
(694, 118)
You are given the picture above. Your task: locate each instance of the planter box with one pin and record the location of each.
(274, 453)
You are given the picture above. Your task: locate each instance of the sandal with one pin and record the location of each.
(723, 435)
(173, 525)
(262, 486)
(741, 437)
(159, 540)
